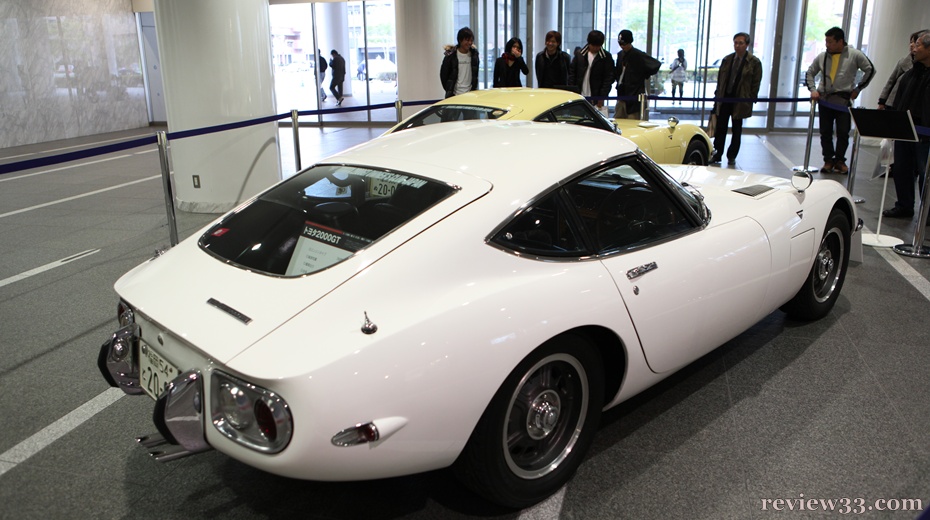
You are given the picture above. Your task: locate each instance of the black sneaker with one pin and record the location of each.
(714, 160)
(898, 212)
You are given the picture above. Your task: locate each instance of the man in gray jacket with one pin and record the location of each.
(838, 68)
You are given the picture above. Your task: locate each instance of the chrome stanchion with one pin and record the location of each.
(296, 130)
(853, 159)
(399, 106)
(642, 107)
(166, 184)
(917, 249)
(807, 151)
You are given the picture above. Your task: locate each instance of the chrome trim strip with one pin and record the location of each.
(229, 310)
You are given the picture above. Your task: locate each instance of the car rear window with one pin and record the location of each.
(446, 113)
(319, 218)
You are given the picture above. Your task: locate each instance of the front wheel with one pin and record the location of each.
(697, 153)
(536, 430)
(822, 286)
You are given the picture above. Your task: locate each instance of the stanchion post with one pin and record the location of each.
(296, 129)
(853, 159)
(162, 138)
(642, 107)
(810, 137)
(399, 106)
(917, 248)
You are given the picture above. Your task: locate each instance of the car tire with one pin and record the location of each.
(536, 430)
(697, 153)
(822, 286)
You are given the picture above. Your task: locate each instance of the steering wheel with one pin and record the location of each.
(627, 215)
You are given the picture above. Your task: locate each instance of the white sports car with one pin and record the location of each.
(471, 294)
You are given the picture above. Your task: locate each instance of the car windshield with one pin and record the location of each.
(319, 218)
(446, 113)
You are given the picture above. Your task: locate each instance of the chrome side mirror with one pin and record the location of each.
(672, 122)
(801, 181)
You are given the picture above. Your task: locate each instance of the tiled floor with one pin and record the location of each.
(835, 409)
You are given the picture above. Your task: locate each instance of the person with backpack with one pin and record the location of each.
(739, 77)
(632, 70)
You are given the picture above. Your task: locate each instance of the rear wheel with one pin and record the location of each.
(822, 286)
(538, 427)
(696, 153)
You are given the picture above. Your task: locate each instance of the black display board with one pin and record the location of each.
(884, 124)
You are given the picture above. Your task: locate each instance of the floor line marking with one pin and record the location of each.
(88, 194)
(63, 168)
(58, 429)
(47, 267)
(777, 153)
(88, 145)
(905, 270)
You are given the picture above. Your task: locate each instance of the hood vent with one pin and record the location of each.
(755, 190)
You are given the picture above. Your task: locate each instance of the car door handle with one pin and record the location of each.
(636, 272)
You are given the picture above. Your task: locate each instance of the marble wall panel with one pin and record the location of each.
(68, 69)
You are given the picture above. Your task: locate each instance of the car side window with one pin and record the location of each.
(622, 209)
(446, 113)
(542, 230)
(578, 113)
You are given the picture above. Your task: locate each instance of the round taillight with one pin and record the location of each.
(264, 418)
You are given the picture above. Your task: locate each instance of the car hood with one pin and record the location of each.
(222, 309)
(732, 194)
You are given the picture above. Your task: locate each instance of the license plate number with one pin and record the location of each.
(155, 372)
(381, 188)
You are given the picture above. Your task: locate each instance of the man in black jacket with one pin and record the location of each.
(913, 95)
(552, 63)
(631, 72)
(592, 69)
(459, 71)
(337, 66)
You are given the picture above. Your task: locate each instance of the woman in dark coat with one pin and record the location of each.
(508, 67)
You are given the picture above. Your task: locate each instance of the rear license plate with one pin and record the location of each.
(155, 372)
(378, 188)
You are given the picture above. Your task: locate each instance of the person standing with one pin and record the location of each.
(632, 70)
(508, 67)
(910, 159)
(552, 63)
(886, 98)
(337, 66)
(838, 67)
(739, 77)
(592, 69)
(321, 69)
(679, 75)
(459, 70)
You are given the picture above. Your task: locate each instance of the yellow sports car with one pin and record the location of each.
(665, 143)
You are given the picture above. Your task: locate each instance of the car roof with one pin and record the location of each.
(532, 100)
(519, 158)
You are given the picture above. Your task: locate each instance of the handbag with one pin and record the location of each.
(712, 124)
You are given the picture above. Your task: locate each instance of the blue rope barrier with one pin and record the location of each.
(183, 134)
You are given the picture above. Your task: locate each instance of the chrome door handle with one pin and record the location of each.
(636, 272)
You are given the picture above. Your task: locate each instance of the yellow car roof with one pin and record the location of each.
(532, 101)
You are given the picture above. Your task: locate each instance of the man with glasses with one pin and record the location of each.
(910, 159)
